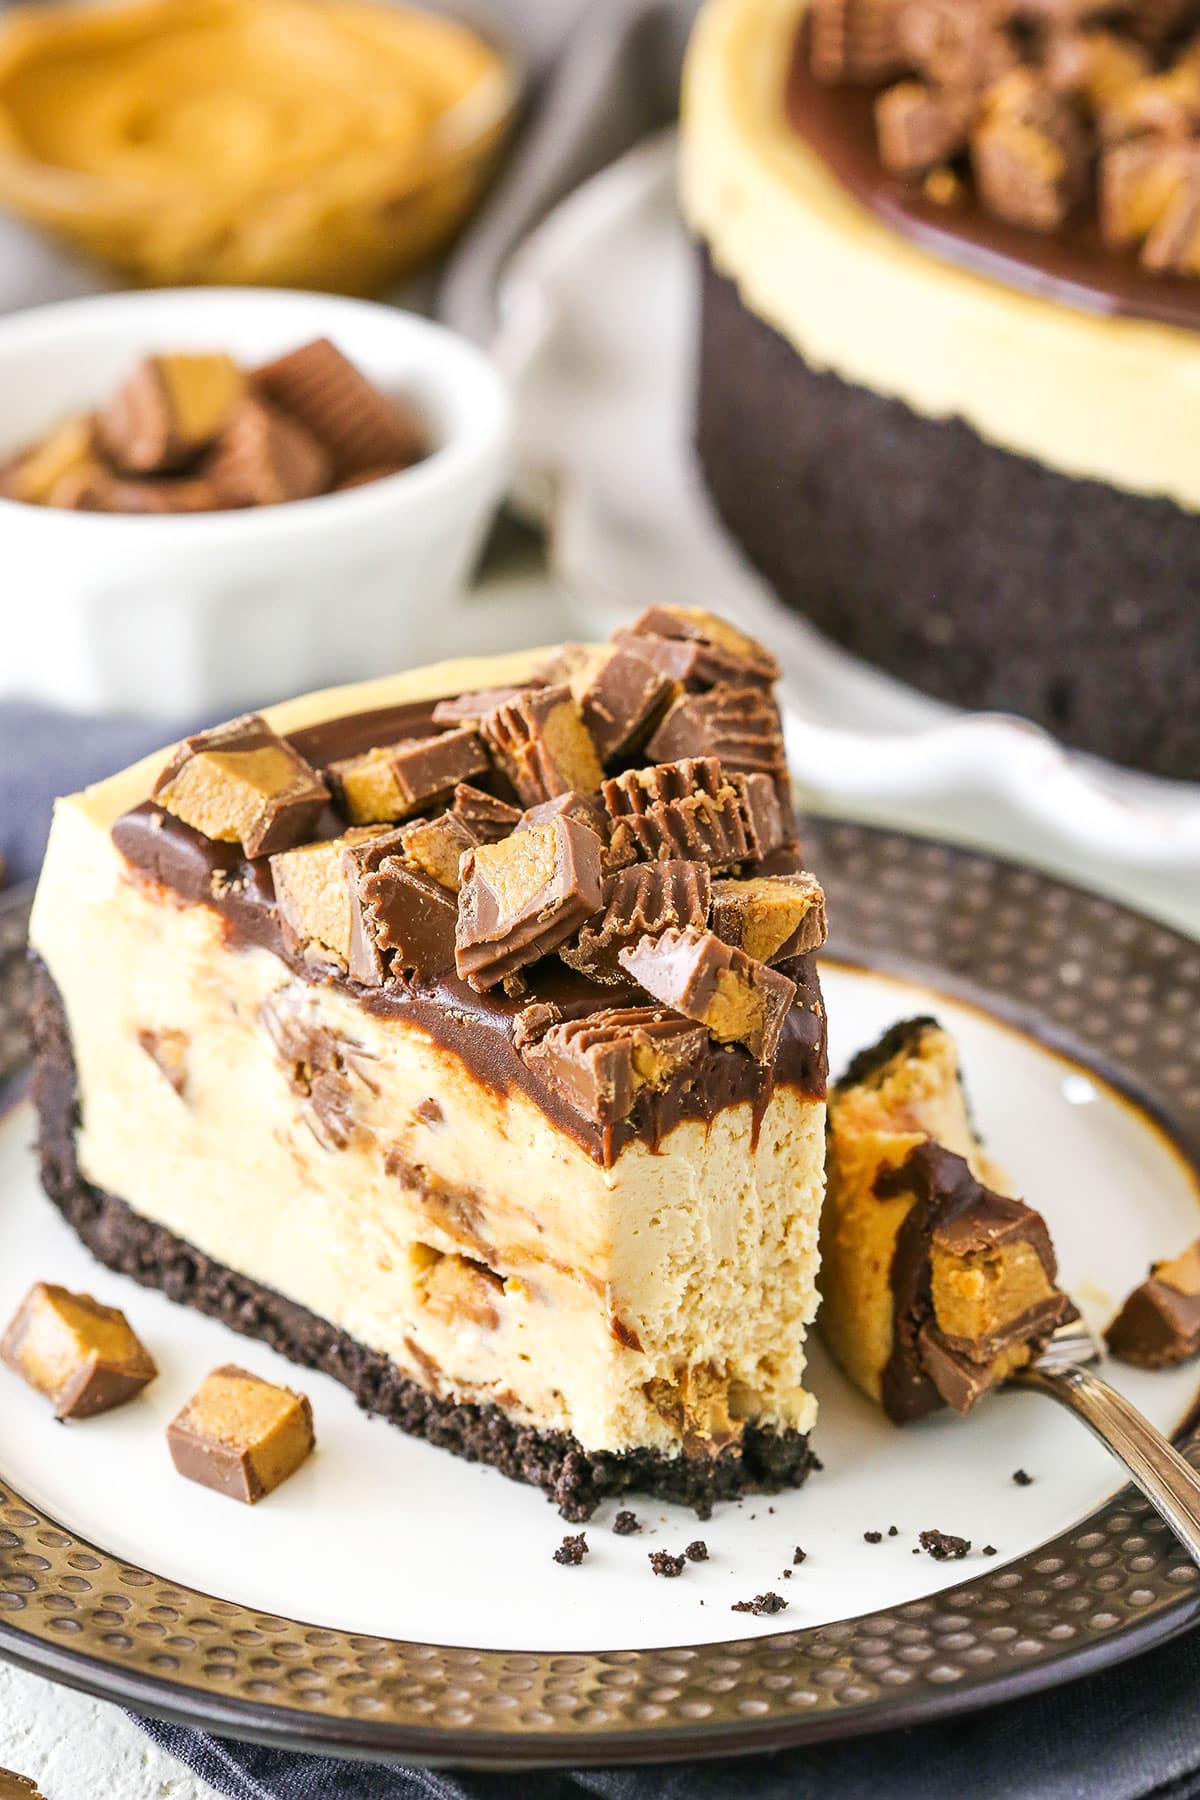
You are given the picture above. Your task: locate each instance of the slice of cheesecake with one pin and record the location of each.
(936, 1284)
(352, 1031)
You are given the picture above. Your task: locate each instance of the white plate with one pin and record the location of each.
(597, 337)
(430, 1532)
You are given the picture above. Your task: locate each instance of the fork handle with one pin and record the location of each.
(1168, 1482)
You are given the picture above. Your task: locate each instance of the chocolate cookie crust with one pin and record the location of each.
(575, 1479)
(979, 575)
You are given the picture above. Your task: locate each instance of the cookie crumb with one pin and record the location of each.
(989, 1550)
(1023, 1478)
(798, 1557)
(626, 1523)
(761, 1603)
(893, 1531)
(663, 1563)
(786, 1574)
(872, 1537)
(572, 1550)
(943, 1546)
(697, 1551)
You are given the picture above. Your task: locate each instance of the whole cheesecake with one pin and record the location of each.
(963, 446)
(460, 1035)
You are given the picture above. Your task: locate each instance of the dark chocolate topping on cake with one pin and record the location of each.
(1070, 263)
(483, 874)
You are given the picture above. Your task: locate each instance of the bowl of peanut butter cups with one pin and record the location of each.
(211, 497)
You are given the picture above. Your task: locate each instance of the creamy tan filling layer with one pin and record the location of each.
(1109, 398)
(659, 1302)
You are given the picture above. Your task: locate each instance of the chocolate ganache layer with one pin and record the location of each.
(1071, 264)
(480, 1028)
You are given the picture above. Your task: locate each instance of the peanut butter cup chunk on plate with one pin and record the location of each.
(169, 410)
(240, 1435)
(735, 998)
(83, 1356)
(1159, 1324)
(542, 745)
(524, 896)
(243, 784)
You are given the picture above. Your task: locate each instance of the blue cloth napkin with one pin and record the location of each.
(44, 752)
(1132, 1733)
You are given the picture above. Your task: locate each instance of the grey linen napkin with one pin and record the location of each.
(1131, 1733)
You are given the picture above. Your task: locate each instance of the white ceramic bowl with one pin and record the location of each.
(180, 617)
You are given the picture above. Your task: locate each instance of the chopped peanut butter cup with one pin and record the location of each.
(437, 846)
(313, 891)
(642, 901)
(264, 458)
(682, 809)
(485, 817)
(359, 427)
(974, 1283)
(170, 409)
(707, 649)
(240, 1435)
(601, 1064)
(521, 898)
(770, 917)
(540, 741)
(397, 779)
(84, 1357)
(242, 783)
(621, 695)
(1159, 1324)
(408, 919)
(740, 726)
(736, 999)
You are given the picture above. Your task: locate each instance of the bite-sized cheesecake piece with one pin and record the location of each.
(1159, 1324)
(950, 330)
(460, 1056)
(936, 1286)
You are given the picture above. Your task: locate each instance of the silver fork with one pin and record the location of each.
(1168, 1482)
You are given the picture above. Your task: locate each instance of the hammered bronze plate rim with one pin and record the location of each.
(1113, 1585)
